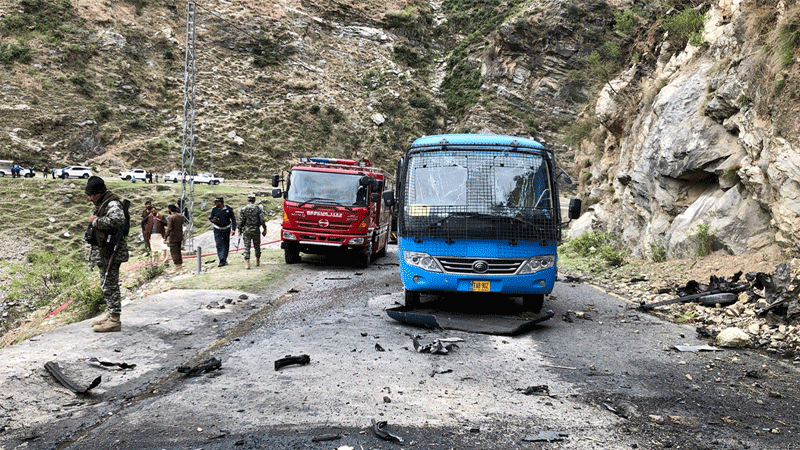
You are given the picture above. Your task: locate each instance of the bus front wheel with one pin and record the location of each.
(533, 302)
(412, 298)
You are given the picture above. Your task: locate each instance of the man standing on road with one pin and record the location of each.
(147, 227)
(109, 249)
(174, 236)
(251, 220)
(224, 219)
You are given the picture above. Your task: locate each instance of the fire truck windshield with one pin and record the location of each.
(331, 188)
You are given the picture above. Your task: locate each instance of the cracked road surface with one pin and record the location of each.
(606, 378)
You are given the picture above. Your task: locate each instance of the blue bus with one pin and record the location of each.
(478, 213)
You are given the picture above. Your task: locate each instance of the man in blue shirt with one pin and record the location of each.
(224, 220)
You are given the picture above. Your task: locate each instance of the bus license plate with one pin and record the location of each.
(481, 286)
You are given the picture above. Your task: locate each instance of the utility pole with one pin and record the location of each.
(187, 159)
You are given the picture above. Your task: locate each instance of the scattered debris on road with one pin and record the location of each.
(438, 370)
(290, 360)
(441, 346)
(55, 371)
(121, 365)
(695, 348)
(379, 429)
(326, 437)
(547, 436)
(208, 365)
(541, 389)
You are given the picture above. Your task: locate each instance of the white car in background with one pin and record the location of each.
(208, 178)
(76, 172)
(176, 176)
(139, 174)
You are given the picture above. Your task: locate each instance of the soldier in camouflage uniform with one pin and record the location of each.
(251, 220)
(107, 220)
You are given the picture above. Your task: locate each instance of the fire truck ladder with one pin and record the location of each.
(187, 158)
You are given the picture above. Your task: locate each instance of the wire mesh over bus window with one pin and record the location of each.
(479, 194)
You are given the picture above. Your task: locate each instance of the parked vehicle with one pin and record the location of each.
(76, 172)
(334, 205)
(177, 176)
(5, 167)
(139, 174)
(208, 178)
(478, 213)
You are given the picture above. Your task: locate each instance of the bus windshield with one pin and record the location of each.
(488, 192)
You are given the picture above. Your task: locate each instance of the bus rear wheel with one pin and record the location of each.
(533, 302)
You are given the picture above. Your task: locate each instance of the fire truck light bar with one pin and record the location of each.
(349, 162)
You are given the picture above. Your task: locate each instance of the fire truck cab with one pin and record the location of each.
(334, 206)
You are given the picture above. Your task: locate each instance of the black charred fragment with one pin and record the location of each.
(541, 389)
(208, 365)
(780, 291)
(290, 360)
(378, 429)
(706, 294)
(121, 365)
(55, 371)
(547, 436)
(326, 437)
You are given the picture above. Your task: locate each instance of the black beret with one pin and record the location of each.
(95, 185)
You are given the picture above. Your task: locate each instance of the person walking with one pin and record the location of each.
(174, 236)
(251, 220)
(157, 224)
(224, 220)
(147, 226)
(109, 249)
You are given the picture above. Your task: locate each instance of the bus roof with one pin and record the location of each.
(475, 139)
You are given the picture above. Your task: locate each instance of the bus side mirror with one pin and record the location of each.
(275, 179)
(377, 185)
(574, 210)
(388, 198)
(364, 181)
(277, 193)
(375, 197)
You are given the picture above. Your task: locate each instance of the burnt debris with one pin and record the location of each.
(292, 360)
(206, 366)
(54, 370)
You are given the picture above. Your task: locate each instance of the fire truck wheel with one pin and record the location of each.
(366, 257)
(291, 256)
(533, 302)
(412, 298)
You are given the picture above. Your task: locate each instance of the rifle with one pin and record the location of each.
(117, 239)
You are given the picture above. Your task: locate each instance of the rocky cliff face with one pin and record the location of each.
(711, 143)
(662, 135)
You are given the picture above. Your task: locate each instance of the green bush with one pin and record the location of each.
(789, 39)
(597, 245)
(702, 240)
(684, 27)
(626, 21)
(266, 53)
(578, 131)
(46, 278)
(13, 53)
(657, 252)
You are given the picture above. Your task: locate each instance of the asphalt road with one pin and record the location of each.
(599, 375)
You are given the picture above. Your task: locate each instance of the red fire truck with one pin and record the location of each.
(334, 205)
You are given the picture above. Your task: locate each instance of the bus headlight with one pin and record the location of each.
(536, 264)
(422, 260)
(357, 241)
(289, 235)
